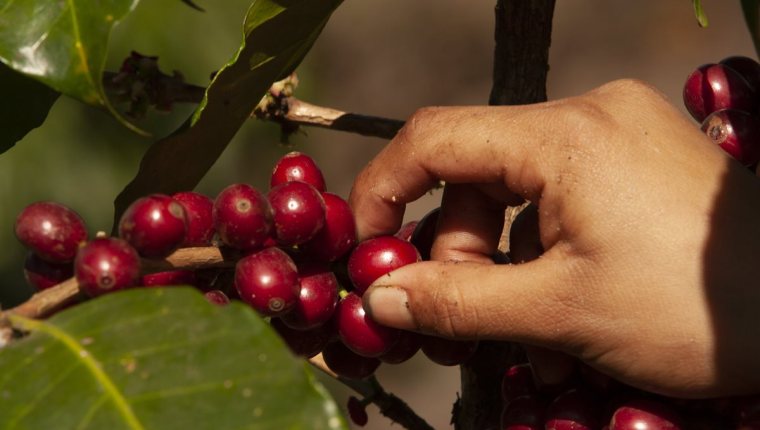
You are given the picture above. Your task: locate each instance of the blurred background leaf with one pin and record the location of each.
(25, 105)
(751, 10)
(161, 358)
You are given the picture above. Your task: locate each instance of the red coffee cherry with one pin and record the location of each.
(242, 217)
(348, 364)
(154, 225)
(523, 413)
(296, 166)
(268, 281)
(42, 274)
(423, 235)
(359, 332)
(645, 415)
(317, 299)
(304, 343)
(337, 236)
(169, 278)
(406, 230)
(298, 210)
(713, 87)
(376, 257)
(406, 347)
(736, 132)
(51, 230)
(575, 409)
(517, 381)
(199, 210)
(216, 297)
(447, 352)
(357, 412)
(106, 264)
(748, 68)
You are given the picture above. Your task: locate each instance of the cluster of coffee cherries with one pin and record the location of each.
(298, 262)
(725, 99)
(590, 400)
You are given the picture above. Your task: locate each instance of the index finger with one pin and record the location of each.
(479, 145)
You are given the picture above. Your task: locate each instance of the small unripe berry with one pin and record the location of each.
(53, 231)
(106, 264)
(169, 278)
(154, 225)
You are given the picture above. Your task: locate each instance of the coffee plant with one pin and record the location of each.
(200, 311)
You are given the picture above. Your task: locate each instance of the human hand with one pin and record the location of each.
(651, 236)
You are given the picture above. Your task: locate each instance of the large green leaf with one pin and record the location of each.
(157, 359)
(61, 43)
(751, 9)
(25, 106)
(277, 35)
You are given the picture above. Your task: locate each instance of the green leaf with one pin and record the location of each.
(751, 9)
(63, 44)
(157, 359)
(25, 106)
(700, 13)
(278, 34)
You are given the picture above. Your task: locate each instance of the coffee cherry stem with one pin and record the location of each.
(371, 391)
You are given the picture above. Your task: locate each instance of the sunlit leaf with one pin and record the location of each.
(157, 359)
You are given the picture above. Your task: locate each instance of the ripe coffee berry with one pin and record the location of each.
(523, 413)
(296, 166)
(376, 257)
(42, 274)
(748, 68)
(216, 297)
(736, 132)
(106, 264)
(200, 222)
(575, 409)
(298, 211)
(357, 412)
(268, 281)
(154, 225)
(346, 363)
(645, 415)
(242, 217)
(304, 343)
(317, 299)
(407, 345)
(713, 87)
(337, 236)
(169, 278)
(53, 231)
(359, 332)
(447, 352)
(517, 381)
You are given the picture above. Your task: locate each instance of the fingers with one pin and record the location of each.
(522, 303)
(469, 225)
(457, 145)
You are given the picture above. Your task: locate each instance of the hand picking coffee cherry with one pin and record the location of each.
(106, 264)
(200, 221)
(296, 166)
(242, 217)
(154, 225)
(51, 230)
(268, 281)
(298, 211)
(377, 257)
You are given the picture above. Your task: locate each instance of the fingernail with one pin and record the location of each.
(389, 306)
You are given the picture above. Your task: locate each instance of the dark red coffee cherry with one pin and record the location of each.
(406, 347)
(377, 257)
(317, 300)
(517, 381)
(42, 274)
(106, 264)
(645, 415)
(576, 409)
(216, 297)
(304, 343)
(337, 236)
(296, 166)
(713, 87)
(406, 230)
(348, 364)
(748, 68)
(736, 132)
(447, 352)
(268, 281)
(53, 231)
(242, 217)
(359, 332)
(298, 210)
(199, 210)
(424, 234)
(169, 278)
(357, 412)
(154, 225)
(523, 413)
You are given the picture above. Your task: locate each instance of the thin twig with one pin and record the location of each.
(390, 406)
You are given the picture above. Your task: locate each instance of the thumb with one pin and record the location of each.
(523, 303)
